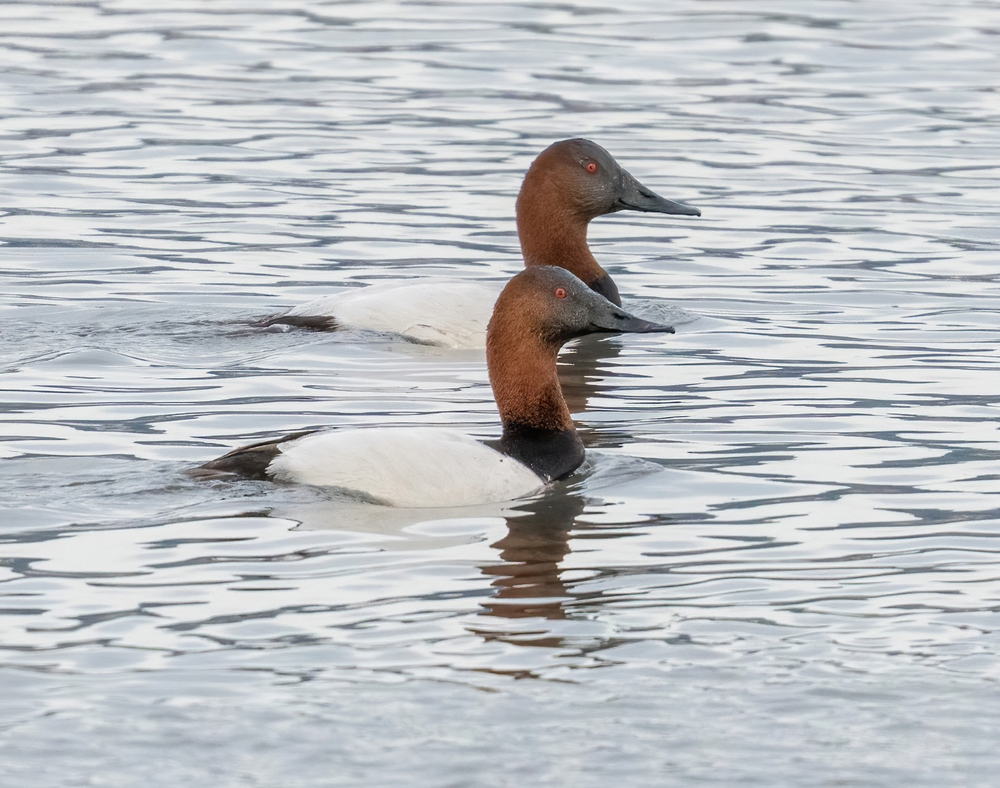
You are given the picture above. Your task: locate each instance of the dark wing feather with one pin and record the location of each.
(249, 462)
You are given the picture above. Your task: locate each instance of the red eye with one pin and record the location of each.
(560, 293)
(591, 167)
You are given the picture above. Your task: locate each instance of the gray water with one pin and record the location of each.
(780, 565)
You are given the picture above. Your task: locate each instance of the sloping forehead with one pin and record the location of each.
(584, 151)
(543, 277)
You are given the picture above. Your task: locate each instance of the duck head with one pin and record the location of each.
(548, 306)
(570, 183)
(539, 310)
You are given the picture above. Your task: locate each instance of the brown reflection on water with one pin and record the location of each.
(528, 583)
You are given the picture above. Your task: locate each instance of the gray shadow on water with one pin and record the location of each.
(588, 369)
(584, 370)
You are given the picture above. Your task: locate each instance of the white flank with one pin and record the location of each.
(405, 466)
(442, 312)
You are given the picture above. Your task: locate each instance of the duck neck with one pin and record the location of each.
(538, 430)
(553, 234)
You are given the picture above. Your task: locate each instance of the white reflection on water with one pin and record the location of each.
(779, 565)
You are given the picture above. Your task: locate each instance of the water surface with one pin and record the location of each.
(779, 565)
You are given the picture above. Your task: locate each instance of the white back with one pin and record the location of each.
(405, 466)
(439, 311)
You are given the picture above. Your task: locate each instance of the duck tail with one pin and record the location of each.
(308, 322)
(249, 462)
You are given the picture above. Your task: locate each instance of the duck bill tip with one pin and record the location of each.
(686, 210)
(653, 328)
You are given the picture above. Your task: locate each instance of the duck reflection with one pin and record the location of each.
(528, 584)
(583, 374)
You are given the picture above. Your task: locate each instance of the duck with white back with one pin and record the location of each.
(539, 310)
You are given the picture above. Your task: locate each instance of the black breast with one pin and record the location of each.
(606, 286)
(552, 454)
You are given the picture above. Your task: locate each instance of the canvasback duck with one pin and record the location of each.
(538, 311)
(570, 183)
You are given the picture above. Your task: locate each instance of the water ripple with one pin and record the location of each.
(779, 562)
